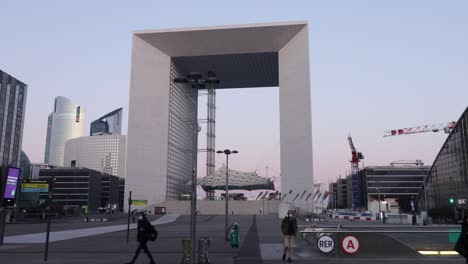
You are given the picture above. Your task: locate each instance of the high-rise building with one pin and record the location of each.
(12, 107)
(103, 153)
(65, 123)
(110, 123)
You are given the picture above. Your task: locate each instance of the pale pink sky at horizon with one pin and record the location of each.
(374, 66)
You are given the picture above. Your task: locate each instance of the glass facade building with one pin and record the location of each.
(82, 187)
(399, 183)
(110, 123)
(448, 177)
(65, 123)
(12, 109)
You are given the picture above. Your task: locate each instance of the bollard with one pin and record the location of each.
(234, 235)
(186, 251)
(203, 245)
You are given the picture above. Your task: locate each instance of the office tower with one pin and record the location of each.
(103, 153)
(12, 110)
(65, 123)
(110, 123)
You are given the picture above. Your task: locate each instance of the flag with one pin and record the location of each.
(259, 195)
(310, 194)
(284, 197)
(315, 194)
(303, 194)
(296, 197)
(325, 195)
(318, 197)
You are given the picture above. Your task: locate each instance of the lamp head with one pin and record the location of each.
(180, 80)
(212, 80)
(219, 152)
(194, 76)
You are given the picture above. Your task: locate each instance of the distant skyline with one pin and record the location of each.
(374, 65)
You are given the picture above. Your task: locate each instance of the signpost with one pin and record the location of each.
(129, 208)
(34, 186)
(8, 186)
(325, 244)
(350, 244)
(49, 207)
(140, 202)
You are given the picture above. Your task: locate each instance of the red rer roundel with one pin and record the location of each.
(350, 244)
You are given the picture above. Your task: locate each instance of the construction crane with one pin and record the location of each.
(407, 162)
(356, 157)
(446, 127)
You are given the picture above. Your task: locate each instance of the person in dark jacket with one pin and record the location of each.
(289, 230)
(145, 232)
(462, 244)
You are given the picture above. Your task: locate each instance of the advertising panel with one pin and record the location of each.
(12, 183)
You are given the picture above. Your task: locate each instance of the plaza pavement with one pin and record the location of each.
(260, 242)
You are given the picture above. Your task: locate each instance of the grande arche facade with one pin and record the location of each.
(159, 156)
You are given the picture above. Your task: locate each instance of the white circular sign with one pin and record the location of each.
(350, 244)
(325, 244)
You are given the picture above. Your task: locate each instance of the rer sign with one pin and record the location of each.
(325, 244)
(350, 244)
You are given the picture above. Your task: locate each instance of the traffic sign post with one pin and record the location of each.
(28, 186)
(49, 216)
(140, 202)
(350, 244)
(325, 244)
(128, 216)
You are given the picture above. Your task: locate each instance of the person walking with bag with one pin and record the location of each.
(145, 232)
(462, 244)
(289, 230)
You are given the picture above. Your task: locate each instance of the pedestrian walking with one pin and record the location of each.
(145, 232)
(289, 229)
(462, 244)
(414, 219)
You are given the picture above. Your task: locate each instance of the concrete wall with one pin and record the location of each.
(295, 116)
(146, 166)
(206, 207)
(148, 133)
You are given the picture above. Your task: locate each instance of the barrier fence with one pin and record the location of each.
(372, 242)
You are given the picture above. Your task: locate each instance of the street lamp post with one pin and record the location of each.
(196, 81)
(226, 195)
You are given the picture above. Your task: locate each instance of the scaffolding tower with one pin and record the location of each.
(210, 132)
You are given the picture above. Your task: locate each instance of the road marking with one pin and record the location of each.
(84, 232)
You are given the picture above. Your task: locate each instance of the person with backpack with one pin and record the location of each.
(145, 232)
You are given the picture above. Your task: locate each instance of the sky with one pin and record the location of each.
(375, 65)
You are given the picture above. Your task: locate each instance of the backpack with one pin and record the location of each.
(154, 234)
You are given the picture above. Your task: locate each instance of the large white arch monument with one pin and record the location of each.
(159, 156)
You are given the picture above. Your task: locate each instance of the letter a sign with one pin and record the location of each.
(350, 244)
